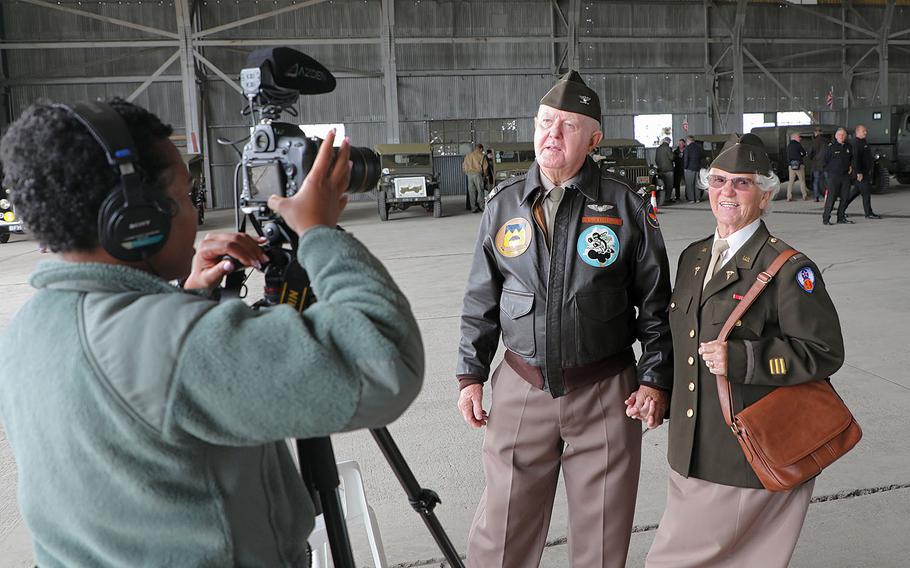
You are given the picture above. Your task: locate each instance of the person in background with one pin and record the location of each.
(678, 170)
(838, 164)
(796, 166)
(692, 165)
(664, 161)
(816, 158)
(473, 167)
(489, 182)
(863, 170)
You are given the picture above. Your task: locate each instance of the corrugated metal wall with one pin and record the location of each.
(430, 87)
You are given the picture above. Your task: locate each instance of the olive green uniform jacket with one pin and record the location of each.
(790, 335)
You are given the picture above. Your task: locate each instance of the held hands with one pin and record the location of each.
(859, 177)
(208, 265)
(321, 198)
(648, 405)
(470, 403)
(714, 354)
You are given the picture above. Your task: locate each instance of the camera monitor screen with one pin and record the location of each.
(265, 181)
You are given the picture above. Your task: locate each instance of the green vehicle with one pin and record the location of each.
(711, 145)
(9, 221)
(626, 157)
(511, 159)
(888, 137)
(407, 179)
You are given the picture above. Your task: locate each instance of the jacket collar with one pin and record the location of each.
(588, 181)
(736, 268)
(97, 277)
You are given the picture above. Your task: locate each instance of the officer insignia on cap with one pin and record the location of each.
(806, 279)
(584, 100)
(514, 237)
(598, 246)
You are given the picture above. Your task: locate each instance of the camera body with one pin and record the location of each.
(275, 161)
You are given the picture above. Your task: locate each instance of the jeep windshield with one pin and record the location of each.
(622, 153)
(514, 156)
(406, 161)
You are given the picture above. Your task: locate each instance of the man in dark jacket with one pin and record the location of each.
(678, 170)
(796, 167)
(570, 268)
(664, 159)
(838, 163)
(863, 169)
(692, 164)
(816, 156)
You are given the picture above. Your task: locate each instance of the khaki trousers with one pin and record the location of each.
(708, 525)
(800, 174)
(529, 436)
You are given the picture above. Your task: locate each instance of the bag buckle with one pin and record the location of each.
(764, 277)
(734, 429)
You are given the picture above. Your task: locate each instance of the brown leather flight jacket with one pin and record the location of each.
(568, 314)
(790, 335)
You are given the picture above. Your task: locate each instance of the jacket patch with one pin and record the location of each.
(601, 207)
(514, 237)
(598, 246)
(806, 279)
(652, 217)
(601, 220)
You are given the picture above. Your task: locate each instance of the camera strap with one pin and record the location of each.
(295, 290)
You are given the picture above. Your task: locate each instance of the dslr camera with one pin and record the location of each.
(279, 155)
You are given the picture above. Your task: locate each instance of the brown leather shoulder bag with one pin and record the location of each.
(783, 452)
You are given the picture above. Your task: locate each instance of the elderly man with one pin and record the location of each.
(796, 155)
(692, 165)
(718, 513)
(664, 159)
(838, 164)
(565, 257)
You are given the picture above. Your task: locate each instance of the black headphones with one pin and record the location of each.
(134, 220)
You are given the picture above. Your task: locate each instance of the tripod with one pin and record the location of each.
(288, 283)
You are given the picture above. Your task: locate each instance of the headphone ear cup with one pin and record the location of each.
(136, 232)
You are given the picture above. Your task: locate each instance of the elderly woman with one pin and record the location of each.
(718, 513)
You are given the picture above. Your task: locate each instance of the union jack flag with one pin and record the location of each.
(829, 98)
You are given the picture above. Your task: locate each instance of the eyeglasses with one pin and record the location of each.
(718, 182)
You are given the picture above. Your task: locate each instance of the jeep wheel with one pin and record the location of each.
(4, 238)
(437, 204)
(882, 179)
(383, 208)
(903, 178)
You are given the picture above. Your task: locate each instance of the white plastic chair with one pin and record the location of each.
(356, 511)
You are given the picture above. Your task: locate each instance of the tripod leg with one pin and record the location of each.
(422, 500)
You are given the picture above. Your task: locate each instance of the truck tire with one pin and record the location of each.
(437, 205)
(882, 179)
(4, 238)
(383, 208)
(903, 178)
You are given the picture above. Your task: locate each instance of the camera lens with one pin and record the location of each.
(365, 169)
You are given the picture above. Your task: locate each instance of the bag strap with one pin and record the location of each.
(761, 282)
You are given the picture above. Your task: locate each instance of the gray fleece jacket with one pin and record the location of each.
(148, 423)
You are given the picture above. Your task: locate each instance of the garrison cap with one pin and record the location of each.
(743, 155)
(572, 95)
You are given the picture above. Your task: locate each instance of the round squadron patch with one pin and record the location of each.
(806, 279)
(598, 246)
(514, 238)
(651, 216)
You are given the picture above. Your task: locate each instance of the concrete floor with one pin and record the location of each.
(862, 507)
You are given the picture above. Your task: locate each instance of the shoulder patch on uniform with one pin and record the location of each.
(651, 217)
(505, 184)
(805, 277)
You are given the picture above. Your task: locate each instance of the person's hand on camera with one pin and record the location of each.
(321, 198)
(209, 266)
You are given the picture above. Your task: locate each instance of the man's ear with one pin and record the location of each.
(595, 139)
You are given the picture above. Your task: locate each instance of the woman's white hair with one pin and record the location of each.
(767, 183)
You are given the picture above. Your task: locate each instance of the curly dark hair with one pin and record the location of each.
(59, 175)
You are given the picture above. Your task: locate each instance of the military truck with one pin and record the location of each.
(511, 159)
(407, 179)
(711, 145)
(626, 157)
(776, 138)
(888, 136)
(9, 221)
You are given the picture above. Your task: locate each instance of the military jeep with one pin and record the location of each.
(626, 158)
(407, 179)
(9, 221)
(511, 159)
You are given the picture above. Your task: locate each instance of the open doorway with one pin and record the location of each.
(650, 129)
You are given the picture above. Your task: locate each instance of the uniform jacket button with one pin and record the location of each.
(691, 386)
(691, 333)
(690, 413)
(691, 360)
